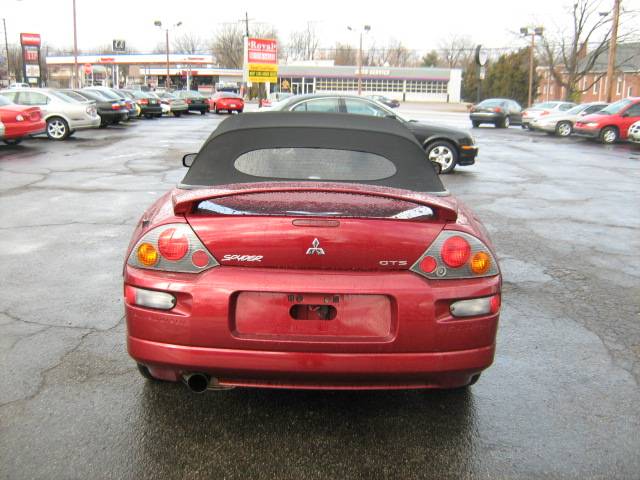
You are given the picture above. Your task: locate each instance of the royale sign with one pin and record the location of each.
(261, 60)
(30, 43)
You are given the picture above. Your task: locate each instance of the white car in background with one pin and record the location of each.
(63, 114)
(634, 133)
(561, 123)
(544, 108)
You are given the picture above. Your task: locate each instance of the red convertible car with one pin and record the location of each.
(20, 122)
(226, 102)
(311, 251)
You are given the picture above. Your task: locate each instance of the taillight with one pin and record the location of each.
(115, 106)
(497, 109)
(171, 248)
(456, 255)
(545, 112)
(188, 101)
(19, 118)
(143, 101)
(472, 109)
(476, 306)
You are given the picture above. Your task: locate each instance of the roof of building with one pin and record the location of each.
(627, 58)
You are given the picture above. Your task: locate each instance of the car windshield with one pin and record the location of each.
(64, 97)
(544, 105)
(75, 95)
(493, 102)
(226, 95)
(576, 110)
(616, 107)
(5, 101)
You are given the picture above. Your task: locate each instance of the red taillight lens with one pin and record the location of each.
(455, 251)
(173, 244)
(115, 106)
(494, 304)
(546, 112)
(143, 101)
(428, 264)
(188, 101)
(497, 109)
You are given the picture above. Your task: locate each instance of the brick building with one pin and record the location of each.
(627, 78)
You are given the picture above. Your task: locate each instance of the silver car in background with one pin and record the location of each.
(176, 105)
(634, 133)
(542, 109)
(63, 114)
(561, 123)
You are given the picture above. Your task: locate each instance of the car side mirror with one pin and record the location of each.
(188, 159)
(437, 167)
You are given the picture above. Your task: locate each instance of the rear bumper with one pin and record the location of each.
(151, 110)
(468, 154)
(198, 108)
(12, 132)
(309, 370)
(229, 108)
(425, 346)
(85, 123)
(486, 117)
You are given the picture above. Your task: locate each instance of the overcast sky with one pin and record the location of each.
(419, 25)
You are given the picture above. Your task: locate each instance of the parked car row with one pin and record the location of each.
(606, 123)
(59, 113)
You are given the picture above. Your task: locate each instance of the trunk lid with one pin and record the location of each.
(327, 230)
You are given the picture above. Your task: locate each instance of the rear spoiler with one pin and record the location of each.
(184, 201)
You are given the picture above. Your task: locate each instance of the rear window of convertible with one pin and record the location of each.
(314, 164)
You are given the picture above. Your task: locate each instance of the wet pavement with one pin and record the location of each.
(561, 400)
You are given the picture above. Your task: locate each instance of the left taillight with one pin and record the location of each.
(456, 255)
(171, 248)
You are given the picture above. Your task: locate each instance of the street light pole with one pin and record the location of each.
(76, 83)
(365, 30)
(613, 45)
(533, 32)
(168, 82)
(6, 47)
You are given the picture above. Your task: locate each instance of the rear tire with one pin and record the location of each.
(203, 112)
(444, 153)
(475, 124)
(564, 129)
(13, 141)
(177, 114)
(506, 122)
(609, 135)
(57, 128)
(144, 371)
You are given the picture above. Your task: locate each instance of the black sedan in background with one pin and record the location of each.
(149, 104)
(447, 146)
(196, 101)
(389, 102)
(109, 109)
(500, 112)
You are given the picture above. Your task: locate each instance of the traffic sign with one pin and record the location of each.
(119, 45)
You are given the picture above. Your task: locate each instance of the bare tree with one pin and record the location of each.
(303, 44)
(344, 54)
(394, 54)
(228, 46)
(455, 50)
(572, 57)
(188, 43)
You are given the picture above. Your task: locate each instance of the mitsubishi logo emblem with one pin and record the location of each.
(315, 248)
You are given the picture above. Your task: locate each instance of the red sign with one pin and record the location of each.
(30, 39)
(262, 50)
(107, 60)
(87, 68)
(30, 54)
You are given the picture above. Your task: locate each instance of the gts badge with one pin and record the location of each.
(393, 263)
(242, 258)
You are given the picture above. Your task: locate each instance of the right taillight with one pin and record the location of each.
(171, 248)
(456, 255)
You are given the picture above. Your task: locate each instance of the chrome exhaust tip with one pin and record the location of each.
(196, 382)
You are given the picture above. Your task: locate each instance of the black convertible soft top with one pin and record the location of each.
(348, 147)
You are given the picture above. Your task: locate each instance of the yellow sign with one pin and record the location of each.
(263, 73)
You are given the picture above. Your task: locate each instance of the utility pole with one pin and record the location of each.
(168, 82)
(76, 84)
(366, 29)
(246, 24)
(6, 46)
(613, 45)
(533, 32)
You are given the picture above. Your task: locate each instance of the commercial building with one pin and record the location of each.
(408, 84)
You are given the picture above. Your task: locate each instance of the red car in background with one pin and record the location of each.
(19, 121)
(311, 251)
(226, 101)
(611, 123)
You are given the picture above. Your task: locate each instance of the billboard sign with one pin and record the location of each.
(30, 43)
(261, 60)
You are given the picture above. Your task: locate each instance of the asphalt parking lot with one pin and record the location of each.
(561, 400)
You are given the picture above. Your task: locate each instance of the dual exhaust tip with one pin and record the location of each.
(201, 382)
